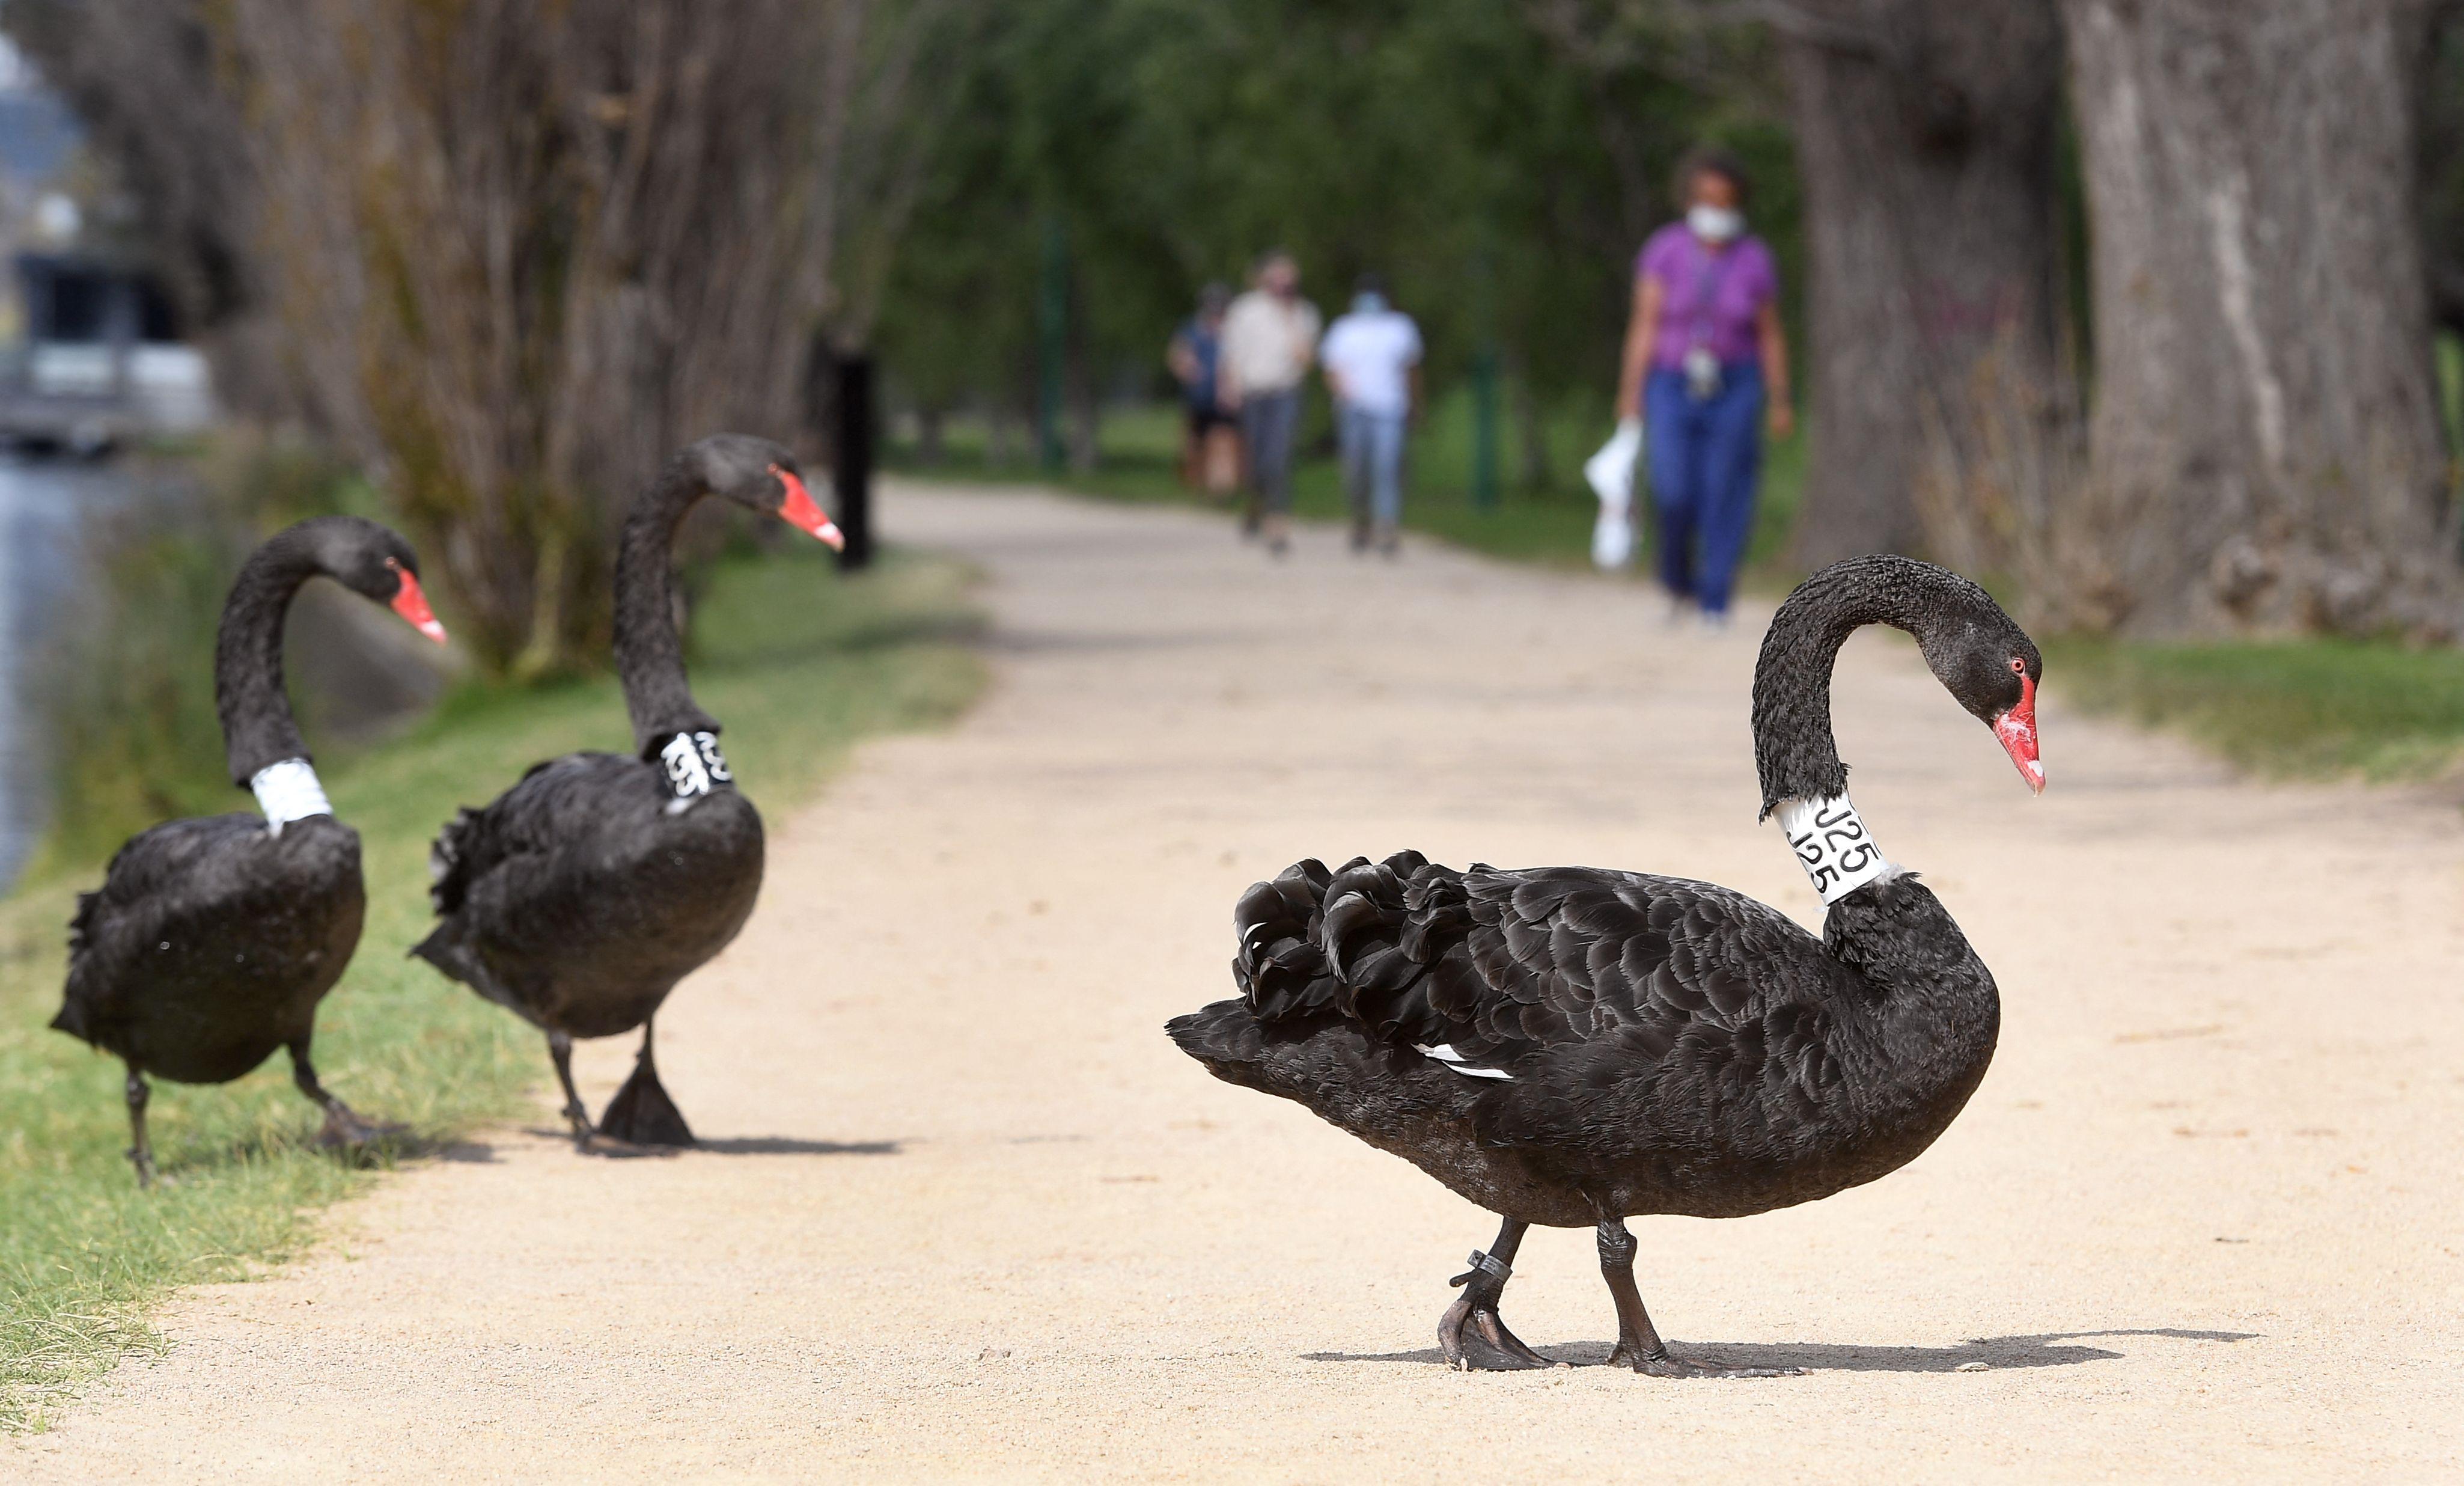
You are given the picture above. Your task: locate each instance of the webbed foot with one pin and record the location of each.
(345, 1129)
(642, 1113)
(1472, 1335)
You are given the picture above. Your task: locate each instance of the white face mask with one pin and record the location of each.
(1714, 224)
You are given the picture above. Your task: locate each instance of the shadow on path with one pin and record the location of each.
(789, 1146)
(2051, 1350)
(736, 1145)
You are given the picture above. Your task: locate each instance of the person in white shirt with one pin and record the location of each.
(1269, 338)
(1372, 357)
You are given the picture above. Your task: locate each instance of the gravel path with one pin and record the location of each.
(965, 1213)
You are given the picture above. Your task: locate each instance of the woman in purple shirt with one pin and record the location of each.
(1704, 356)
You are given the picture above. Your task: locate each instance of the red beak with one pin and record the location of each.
(2018, 730)
(412, 604)
(799, 511)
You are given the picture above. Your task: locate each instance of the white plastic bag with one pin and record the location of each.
(1611, 473)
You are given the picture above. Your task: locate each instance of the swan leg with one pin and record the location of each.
(560, 1049)
(140, 1150)
(343, 1128)
(1638, 1345)
(585, 1140)
(1472, 1334)
(640, 1114)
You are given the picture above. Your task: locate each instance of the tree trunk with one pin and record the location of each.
(1082, 407)
(1926, 136)
(1530, 427)
(2265, 448)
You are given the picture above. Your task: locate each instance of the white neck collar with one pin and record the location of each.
(288, 791)
(1832, 846)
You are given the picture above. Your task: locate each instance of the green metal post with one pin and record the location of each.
(1484, 372)
(1052, 334)
(1483, 428)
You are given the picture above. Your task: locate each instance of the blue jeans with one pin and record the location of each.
(1706, 460)
(1268, 422)
(1373, 464)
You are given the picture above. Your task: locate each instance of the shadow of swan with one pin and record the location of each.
(751, 1146)
(2048, 1349)
(789, 1146)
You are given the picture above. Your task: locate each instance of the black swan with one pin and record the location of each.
(585, 892)
(211, 941)
(1570, 1046)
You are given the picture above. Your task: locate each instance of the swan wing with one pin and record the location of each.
(159, 882)
(1593, 969)
(553, 802)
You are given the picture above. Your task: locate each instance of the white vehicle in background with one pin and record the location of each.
(97, 363)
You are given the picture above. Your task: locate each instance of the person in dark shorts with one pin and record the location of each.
(1210, 454)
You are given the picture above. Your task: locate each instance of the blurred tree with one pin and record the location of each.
(2266, 451)
(1175, 140)
(516, 252)
(2441, 155)
(1926, 134)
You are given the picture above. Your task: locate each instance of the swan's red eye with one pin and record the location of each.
(2018, 667)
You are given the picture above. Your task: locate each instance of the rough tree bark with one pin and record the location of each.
(2265, 446)
(1925, 138)
(511, 253)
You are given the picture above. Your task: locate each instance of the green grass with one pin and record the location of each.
(2317, 707)
(1141, 449)
(798, 662)
(2308, 708)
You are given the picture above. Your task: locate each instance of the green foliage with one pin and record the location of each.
(1500, 176)
(2440, 152)
(798, 660)
(2370, 709)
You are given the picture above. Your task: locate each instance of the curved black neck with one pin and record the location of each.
(258, 728)
(1793, 749)
(650, 654)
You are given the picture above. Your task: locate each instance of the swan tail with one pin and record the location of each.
(71, 1020)
(1229, 1041)
(75, 1016)
(440, 950)
(448, 858)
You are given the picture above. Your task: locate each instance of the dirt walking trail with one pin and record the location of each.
(966, 1215)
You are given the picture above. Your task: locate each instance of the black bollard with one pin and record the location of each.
(851, 454)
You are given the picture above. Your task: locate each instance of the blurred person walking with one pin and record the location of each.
(1269, 339)
(1371, 356)
(1210, 454)
(1704, 356)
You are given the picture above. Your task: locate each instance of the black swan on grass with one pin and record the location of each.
(585, 892)
(1570, 1047)
(211, 941)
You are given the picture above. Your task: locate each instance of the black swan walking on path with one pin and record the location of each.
(211, 941)
(585, 892)
(1572, 1046)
